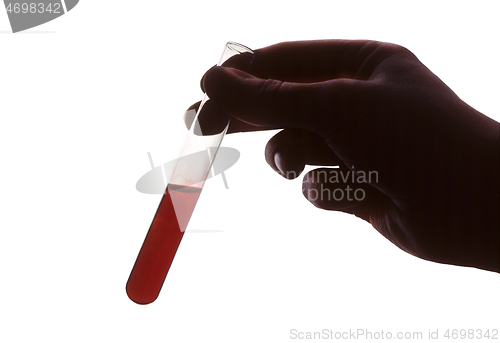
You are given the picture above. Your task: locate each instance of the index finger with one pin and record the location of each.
(309, 61)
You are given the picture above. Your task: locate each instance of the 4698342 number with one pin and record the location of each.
(471, 334)
(33, 8)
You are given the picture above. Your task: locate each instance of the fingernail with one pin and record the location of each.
(280, 161)
(189, 116)
(305, 189)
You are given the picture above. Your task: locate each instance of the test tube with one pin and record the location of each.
(178, 203)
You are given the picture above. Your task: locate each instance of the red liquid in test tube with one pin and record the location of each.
(161, 243)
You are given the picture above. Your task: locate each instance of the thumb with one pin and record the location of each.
(270, 103)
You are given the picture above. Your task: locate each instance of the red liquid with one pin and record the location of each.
(161, 243)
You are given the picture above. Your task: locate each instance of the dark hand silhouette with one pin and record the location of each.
(368, 106)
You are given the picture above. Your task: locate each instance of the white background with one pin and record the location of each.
(85, 97)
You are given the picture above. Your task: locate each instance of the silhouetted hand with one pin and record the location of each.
(426, 165)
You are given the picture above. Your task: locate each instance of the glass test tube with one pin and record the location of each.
(177, 204)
